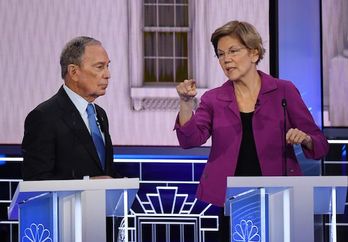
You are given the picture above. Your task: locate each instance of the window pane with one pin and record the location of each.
(165, 44)
(166, 1)
(166, 53)
(181, 44)
(150, 70)
(165, 69)
(182, 16)
(181, 70)
(150, 16)
(150, 43)
(166, 16)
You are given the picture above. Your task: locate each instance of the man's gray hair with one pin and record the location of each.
(73, 52)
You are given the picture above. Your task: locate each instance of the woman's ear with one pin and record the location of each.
(254, 55)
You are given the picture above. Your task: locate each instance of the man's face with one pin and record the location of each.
(92, 76)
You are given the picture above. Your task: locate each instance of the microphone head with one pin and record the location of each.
(284, 102)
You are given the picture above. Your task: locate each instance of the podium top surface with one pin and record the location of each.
(77, 185)
(287, 181)
(29, 189)
(312, 188)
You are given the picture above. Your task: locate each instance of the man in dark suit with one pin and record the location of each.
(60, 134)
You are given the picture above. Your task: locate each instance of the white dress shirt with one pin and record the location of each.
(81, 105)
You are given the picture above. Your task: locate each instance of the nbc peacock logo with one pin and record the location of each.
(36, 233)
(246, 231)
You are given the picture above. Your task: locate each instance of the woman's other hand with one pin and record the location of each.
(296, 136)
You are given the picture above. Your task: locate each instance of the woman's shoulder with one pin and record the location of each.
(276, 82)
(225, 88)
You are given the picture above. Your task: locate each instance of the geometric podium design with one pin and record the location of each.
(167, 215)
(282, 208)
(70, 210)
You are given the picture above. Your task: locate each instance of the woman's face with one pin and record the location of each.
(235, 59)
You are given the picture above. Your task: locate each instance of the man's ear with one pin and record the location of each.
(73, 71)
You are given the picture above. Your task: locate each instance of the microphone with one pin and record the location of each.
(100, 124)
(285, 165)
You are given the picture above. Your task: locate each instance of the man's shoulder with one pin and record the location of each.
(49, 108)
(49, 105)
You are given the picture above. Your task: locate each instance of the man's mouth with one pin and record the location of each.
(104, 86)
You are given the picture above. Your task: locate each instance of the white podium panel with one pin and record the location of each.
(289, 204)
(71, 210)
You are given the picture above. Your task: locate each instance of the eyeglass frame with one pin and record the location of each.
(232, 51)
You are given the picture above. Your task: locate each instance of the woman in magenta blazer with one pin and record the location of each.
(245, 117)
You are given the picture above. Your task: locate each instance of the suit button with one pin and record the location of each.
(291, 170)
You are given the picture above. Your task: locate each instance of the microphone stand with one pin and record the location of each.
(285, 168)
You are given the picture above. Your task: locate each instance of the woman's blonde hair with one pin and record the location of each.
(244, 32)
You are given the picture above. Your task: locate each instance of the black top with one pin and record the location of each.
(248, 162)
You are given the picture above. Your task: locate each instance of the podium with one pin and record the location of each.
(269, 209)
(71, 210)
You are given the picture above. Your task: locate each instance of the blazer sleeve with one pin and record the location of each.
(300, 117)
(198, 129)
(38, 148)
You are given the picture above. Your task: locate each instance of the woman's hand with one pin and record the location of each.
(296, 136)
(187, 90)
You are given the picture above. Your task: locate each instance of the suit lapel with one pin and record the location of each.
(268, 86)
(74, 121)
(227, 94)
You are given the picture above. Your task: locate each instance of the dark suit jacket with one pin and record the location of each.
(58, 145)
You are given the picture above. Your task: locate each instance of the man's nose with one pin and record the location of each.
(107, 74)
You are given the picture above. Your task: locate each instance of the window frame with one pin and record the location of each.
(172, 30)
(162, 97)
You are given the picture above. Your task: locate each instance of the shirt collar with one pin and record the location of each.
(79, 102)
